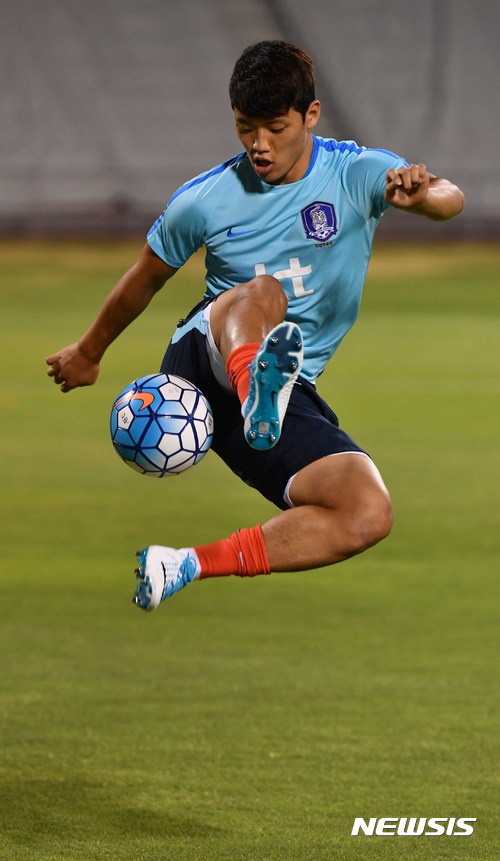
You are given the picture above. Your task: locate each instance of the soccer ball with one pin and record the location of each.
(161, 425)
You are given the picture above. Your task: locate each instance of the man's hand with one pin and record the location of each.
(416, 190)
(71, 367)
(407, 187)
(78, 364)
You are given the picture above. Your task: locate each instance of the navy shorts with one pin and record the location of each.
(310, 430)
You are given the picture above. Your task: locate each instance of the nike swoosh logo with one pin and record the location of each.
(146, 397)
(231, 233)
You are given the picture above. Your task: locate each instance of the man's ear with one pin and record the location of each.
(313, 114)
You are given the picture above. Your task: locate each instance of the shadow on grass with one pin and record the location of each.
(35, 810)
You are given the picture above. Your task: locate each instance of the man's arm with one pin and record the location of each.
(416, 190)
(78, 364)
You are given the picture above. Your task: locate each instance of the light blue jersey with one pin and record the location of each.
(314, 235)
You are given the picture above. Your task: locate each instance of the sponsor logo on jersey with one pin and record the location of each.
(295, 271)
(233, 232)
(319, 220)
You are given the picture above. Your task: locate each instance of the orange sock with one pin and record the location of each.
(243, 553)
(237, 368)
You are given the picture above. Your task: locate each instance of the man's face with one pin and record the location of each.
(279, 148)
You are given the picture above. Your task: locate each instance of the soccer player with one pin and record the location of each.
(287, 225)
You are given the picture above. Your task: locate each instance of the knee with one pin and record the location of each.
(371, 523)
(267, 292)
(375, 522)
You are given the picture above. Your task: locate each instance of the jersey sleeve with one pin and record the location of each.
(179, 231)
(364, 180)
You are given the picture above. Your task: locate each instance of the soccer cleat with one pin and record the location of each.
(272, 375)
(162, 571)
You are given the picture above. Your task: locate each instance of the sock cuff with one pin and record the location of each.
(243, 553)
(237, 368)
(253, 554)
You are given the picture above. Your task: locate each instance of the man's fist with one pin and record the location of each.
(407, 186)
(71, 367)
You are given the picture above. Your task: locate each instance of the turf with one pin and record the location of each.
(250, 720)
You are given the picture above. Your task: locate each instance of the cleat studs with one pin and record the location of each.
(294, 366)
(253, 434)
(263, 364)
(272, 437)
(274, 340)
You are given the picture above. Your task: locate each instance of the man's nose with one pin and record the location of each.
(261, 141)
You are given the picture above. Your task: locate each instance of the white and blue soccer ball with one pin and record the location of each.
(161, 425)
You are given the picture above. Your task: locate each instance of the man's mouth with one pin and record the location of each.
(262, 166)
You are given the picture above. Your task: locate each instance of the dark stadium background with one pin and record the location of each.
(108, 106)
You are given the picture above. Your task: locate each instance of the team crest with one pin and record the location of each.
(319, 220)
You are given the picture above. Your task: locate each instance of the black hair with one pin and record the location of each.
(270, 78)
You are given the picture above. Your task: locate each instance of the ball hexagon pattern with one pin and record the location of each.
(161, 425)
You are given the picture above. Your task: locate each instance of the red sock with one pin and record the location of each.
(243, 553)
(237, 368)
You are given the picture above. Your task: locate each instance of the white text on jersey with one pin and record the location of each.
(295, 272)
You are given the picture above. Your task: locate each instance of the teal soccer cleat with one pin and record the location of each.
(272, 375)
(162, 571)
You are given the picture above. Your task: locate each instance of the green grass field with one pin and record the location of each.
(250, 720)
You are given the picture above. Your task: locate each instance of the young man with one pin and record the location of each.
(288, 226)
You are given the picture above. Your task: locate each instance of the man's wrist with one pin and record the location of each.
(90, 354)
